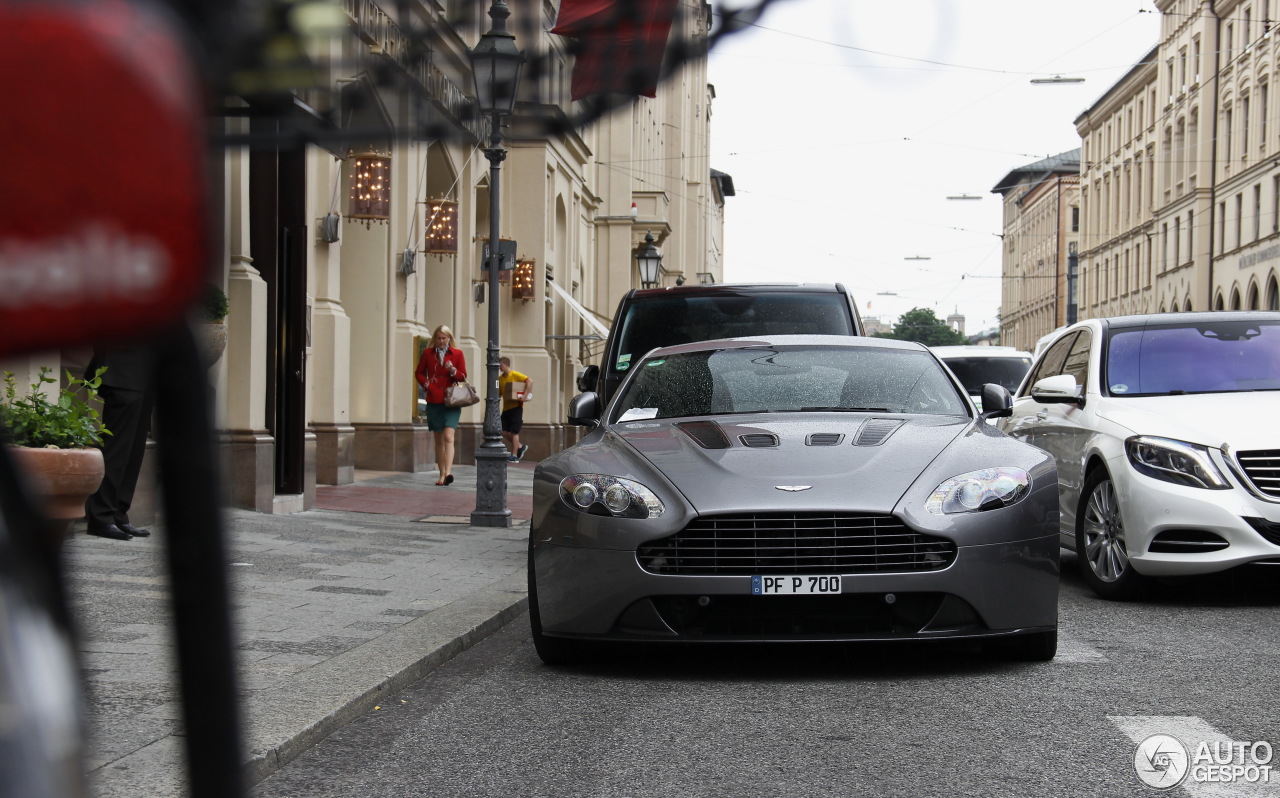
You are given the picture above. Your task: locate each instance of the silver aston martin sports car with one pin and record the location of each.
(794, 488)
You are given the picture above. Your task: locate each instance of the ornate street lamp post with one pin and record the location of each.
(496, 65)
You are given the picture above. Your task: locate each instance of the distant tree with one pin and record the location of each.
(921, 325)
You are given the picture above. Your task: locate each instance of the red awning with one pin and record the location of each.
(620, 44)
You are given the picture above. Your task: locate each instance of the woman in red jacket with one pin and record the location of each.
(439, 367)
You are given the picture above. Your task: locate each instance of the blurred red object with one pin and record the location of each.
(620, 44)
(103, 224)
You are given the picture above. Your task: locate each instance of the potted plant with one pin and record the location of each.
(212, 337)
(54, 439)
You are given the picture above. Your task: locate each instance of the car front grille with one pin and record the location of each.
(795, 543)
(1262, 467)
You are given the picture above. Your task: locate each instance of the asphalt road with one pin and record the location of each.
(1196, 661)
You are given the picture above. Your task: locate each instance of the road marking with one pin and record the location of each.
(1192, 731)
(1071, 650)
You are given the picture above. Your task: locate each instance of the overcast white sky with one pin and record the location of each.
(846, 124)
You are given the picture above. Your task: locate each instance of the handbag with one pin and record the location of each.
(460, 394)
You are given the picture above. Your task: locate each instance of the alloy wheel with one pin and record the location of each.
(1104, 545)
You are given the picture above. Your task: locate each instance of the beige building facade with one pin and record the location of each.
(324, 329)
(1181, 169)
(1041, 224)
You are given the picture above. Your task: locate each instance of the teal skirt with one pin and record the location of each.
(439, 416)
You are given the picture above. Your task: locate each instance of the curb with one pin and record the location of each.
(481, 614)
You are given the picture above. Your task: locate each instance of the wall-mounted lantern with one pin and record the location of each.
(522, 280)
(649, 259)
(370, 180)
(441, 227)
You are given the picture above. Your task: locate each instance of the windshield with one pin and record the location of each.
(789, 379)
(1210, 357)
(975, 372)
(666, 321)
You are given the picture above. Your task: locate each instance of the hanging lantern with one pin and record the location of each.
(522, 280)
(442, 227)
(370, 196)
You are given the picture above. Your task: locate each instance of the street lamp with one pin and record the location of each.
(496, 65)
(649, 259)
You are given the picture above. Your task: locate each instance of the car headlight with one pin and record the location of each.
(605, 495)
(976, 491)
(1173, 461)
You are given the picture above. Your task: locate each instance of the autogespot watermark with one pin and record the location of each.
(1163, 761)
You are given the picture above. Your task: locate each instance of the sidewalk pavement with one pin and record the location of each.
(335, 610)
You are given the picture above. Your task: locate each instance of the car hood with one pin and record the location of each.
(1240, 420)
(735, 477)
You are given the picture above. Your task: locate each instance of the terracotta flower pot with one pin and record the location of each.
(62, 480)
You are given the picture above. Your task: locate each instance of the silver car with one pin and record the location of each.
(793, 488)
(1164, 429)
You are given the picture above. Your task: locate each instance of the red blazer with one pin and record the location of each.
(433, 375)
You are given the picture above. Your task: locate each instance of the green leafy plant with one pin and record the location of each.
(214, 305)
(70, 422)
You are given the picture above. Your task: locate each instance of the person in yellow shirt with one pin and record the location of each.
(512, 409)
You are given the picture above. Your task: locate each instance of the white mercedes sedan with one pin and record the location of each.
(1166, 432)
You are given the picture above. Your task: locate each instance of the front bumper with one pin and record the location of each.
(989, 590)
(1151, 507)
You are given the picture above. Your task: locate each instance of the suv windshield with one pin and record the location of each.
(1209, 357)
(974, 372)
(670, 320)
(789, 379)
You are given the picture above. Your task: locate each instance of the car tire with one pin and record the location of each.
(551, 650)
(1100, 543)
(1034, 647)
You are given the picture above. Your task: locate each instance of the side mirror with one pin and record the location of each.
(1058, 389)
(588, 377)
(997, 402)
(585, 409)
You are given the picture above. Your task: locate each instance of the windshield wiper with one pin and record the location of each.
(844, 409)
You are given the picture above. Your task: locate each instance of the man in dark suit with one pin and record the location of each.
(128, 396)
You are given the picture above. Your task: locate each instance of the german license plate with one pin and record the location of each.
(794, 585)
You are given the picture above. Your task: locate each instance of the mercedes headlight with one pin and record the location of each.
(976, 491)
(1173, 461)
(605, 495)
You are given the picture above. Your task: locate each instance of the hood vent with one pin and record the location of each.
(875, 431)
(759, 440)
(824, 439)
(707, 434)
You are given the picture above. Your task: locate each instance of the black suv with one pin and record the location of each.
(653, 317)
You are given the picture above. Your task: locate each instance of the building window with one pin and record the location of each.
(1177, 242)
(1275, 204)
(1263, 96)
(1191, 231)
(1222, 227)
(1239, 216)
(1075, 217)
(1257, 212)
(1226, 145)
(1164, 252)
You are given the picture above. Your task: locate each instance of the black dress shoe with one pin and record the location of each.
(110, 531)
(133, 530)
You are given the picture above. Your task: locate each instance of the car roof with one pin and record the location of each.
(1192, 317)
(945, 352)
(736, 289)
(849, 341)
